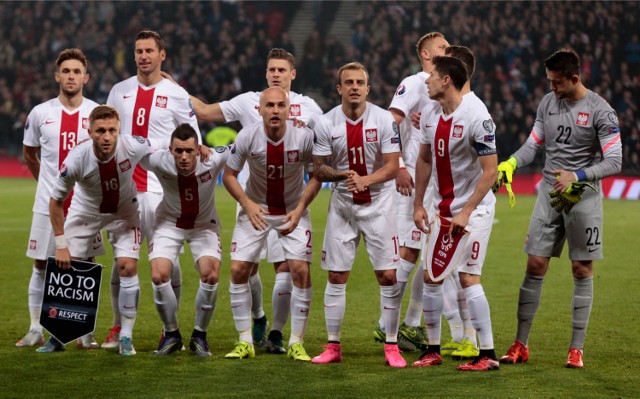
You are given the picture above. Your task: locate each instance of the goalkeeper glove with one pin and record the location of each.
(505, 176)
(563, 202)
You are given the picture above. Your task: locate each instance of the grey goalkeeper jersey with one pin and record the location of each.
(576, 136)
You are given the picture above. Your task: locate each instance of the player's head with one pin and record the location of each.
(353, 83)
(104, 128)
(281, 69)
(274, 109)
(465, 55)
(563, 72)
(71, 71)
(184, 148)
(149, 52)
(448, 73)
(431, 45)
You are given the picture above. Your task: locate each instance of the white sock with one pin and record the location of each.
(300, 304)
(281, 300)
(335, 303)
(176, 281)
(432, 304)
(480, 315)
(256, 296)
(451, 312)
(240, 298)
(413, 317)
(463, 308)
(390, 301)
(402, 276)
(205, 305)
(115, 294)
(128, 300)
(36, 293)
(166, 305)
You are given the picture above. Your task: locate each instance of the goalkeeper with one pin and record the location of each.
(579, 134)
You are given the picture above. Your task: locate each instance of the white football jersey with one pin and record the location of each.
(56, 131)
(411, 96)
(151, 112)
(457, 140)
(188, 200)
(244, 108)
(357, 145)
(102, 187)
(276, 177)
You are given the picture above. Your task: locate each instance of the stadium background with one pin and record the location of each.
(217, 50)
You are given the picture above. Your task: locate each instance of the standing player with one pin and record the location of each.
(275, 199)
(52, 129)
(105, 197)
(151, 107)
(187, 213)
(357, 148)
(458, 143)
(580, 136)
(281, 72)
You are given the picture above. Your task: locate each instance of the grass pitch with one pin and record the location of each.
(611, 355)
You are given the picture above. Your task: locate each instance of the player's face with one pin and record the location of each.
(72, 76)
(186, 154)
(353, 87)
(148, 56)
(274, 108)
(436, 46)
(280, 74)
(435, 84)
(104, 133)
(562, 86)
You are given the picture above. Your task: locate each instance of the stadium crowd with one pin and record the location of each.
(217, 49)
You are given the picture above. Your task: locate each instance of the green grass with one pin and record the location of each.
(611, 354)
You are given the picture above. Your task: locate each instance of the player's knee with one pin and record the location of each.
(158, 277)
(386, 277)
(537, 266)
(127, 267)
(40, 264)
(582, 269)
(240, 272)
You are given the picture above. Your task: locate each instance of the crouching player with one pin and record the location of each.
(187, 213)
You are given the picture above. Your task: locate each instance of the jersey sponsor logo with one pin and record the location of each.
(583, 119)
(233, 149)
(142, 140)
(295, 110)
(192, 111)
(489, 137)
(293, 156)
(457, 131)
(151, 248)
(26, 124)
(371, 135)
(85, 123)
(324, 255)
(48, 122)
(400, 90)
(162, 101)
(416, 235)
(614, 130)
(613, 118)
(127, 96)
(125, 165)
(233, 246)
(33, 244)
(335, 137)
(220, 149)
(63, 170)
(488, 125)
(205, 177)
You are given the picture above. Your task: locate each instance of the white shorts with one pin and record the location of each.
(479, 228)
(148, 202)
(346, 221)
(408, 233)
(167, 240)
(42, 240)
(123, 229)
(247, 242)
(273, 251)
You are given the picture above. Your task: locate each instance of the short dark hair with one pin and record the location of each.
(103, 112)
(72, 54)
(564, 61)
(150, 34)
(352, 66)
(281, 54)
(184, 132)
(465, 55)
(425, 38)
(452, 67)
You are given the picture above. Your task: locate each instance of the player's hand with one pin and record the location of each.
(63, 258)
(415, 119)
(298, 123)
(293, 218)
(458, 223)
(169, 77)
(205, 153)
(563, 180)
(564, 201)
(255, 212)
(505, 176)
(421, 219)
(404, 183)
(356, 183)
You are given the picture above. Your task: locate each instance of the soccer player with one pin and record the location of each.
(151, 107)
(280, 72)
(105, 196)
(458, 150)
(186, 213)
(357, 148)
(580, 136)
(52, 129)
(275, 199)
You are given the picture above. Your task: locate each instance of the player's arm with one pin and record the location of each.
(207, 112)
(309, 193)
(31, 159)
(404, 182)
(253, 210)
(357, 183)
(324, 172)
(56, 214)
(423, 175)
